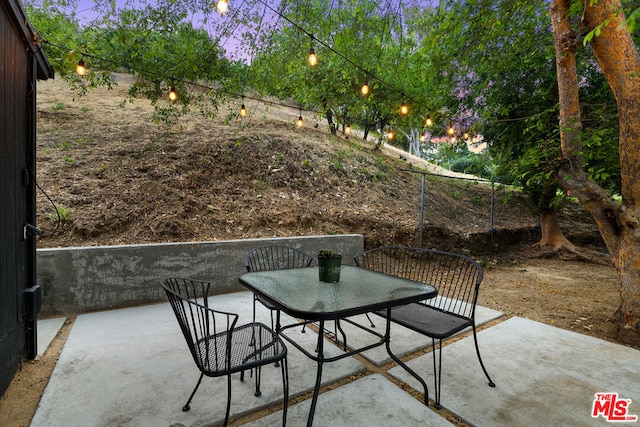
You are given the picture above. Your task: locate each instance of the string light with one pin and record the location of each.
(222, 6)
(404, 109)
(428, 121)
(390, 135)
(451, 131)
(299, 123)
(347, 130)
(173, 95)
(313, 58)
(364, 89)
(80, 68)
(243, 109)
(466, 135)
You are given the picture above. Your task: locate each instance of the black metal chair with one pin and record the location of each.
(218, 346)
(457, 279)
(274, 257)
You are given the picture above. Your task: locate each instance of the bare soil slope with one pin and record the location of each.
(122, 179)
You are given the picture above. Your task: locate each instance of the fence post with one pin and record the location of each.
(421, 213)
(492, 204)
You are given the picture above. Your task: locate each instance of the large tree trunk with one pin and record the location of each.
(551, 233)
(619, 223)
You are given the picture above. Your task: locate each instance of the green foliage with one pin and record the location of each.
(154, 41)
(365, 34)
(503, 72)
(632, 20)
(62, 214)
(458, 158)
(328, 253)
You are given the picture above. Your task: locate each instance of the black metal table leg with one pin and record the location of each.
(401, 363)
(316, 390)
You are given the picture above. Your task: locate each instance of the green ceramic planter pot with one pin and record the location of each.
(329, 269)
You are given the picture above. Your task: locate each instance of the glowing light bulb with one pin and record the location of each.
(347, 130)
(428, 121)
(299, 123)
(243, 111)
(404, 109)
(466, 135)
(222, 6)
(451, 131)
(364, 90)
(313, 59)
(390, 135)
(173, 95)
(80, 68)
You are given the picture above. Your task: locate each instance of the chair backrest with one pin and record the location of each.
(199, 322)
(457, 277)
(275, 257)
(193, 290)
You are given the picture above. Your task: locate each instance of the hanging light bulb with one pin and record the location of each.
(80, 68)
(299, 122)
(347, 130)
(428, 121)
(173, 95)
(243, 109)
(466, 135)
(423, 137)
(404, 109)
(222, 6)
(313, 59)
(451, 131)
(364, 89)
(390, 135)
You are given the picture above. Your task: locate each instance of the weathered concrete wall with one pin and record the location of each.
(81, 279)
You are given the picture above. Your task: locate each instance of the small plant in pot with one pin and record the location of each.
(329, 266)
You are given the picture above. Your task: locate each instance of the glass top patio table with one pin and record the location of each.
(299, 292)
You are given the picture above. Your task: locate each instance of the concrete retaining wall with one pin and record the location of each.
(81, 279)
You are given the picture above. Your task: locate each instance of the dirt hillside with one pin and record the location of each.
(118, 178)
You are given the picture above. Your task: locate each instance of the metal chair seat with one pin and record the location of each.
(427, 320)
(244, 355)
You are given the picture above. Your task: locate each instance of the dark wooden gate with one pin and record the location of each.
(21, 63)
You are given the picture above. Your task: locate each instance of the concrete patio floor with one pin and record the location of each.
(131, 367)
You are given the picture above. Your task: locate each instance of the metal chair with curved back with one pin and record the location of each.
(457, 279)
(274, 257)
(219, 347)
